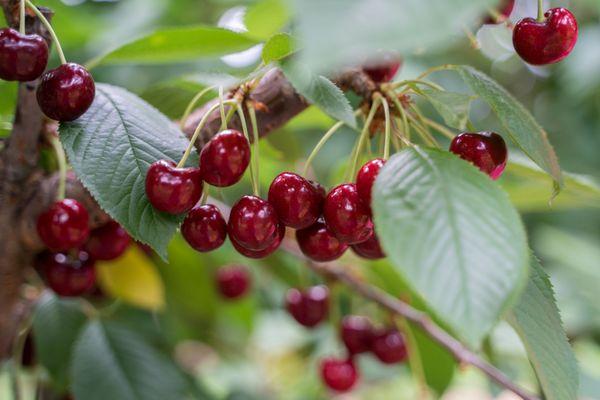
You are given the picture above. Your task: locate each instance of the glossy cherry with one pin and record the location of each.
(384, 68)
(261, 253)
(297, 201)
(65, 93)
(225, 158)
(233, 281)
(356, 332)
(486, 150)
(366, 178)
(253, 223)
(173, 190)
(64, 225)
(338, 374)
(23, 57)
(308, 307)
(108, 242)
(318, 243)
(369, 249)
(204, 228)
(346, 215)
(546, 42)
(68, 275)
(389, 346)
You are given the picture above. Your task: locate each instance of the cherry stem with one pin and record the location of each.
(440, 128)
(204, 197)
(540, 15)
(388, 128)
(320, 145)
(420, 124)
(255, 146)
(62, 166)
(22, 17)
(242, 116)
(432, 85)
(414, 355)
(197, 132)
(48, 26)
(400, 108)
(222, 109)
(192, 104)
(364, 134)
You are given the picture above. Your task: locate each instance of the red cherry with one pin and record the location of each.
(486, 150)
(370, 248)
(225, 158)
(204, 228)
(64, 225)
(173, 190)
(23, 57)
(504, 9)
(318, 243)
(389, 346)
(67, 275)
(233, 281)
(253, 223)
(262, 253)
(308, 307)
(366, 178)
(356, 333)
(384, 68)
(107, 242)
(66, 93)
(346, 215)
(338, 375)
(546, 42)
(297, 201)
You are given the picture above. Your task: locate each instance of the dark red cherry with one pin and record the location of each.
(66, 93)
(225, 158)
(546, 42)
(486, 150)
(370, 248)
(173, 190)
(233, 281)
(297, 201)
(204, 228)
(253, 223)
(389, 346)
(261, 253)
(308, 307)
(356, 333)
(64, 225)
(318, 243)
(338, 374)
(366, 178)
(23, 58)
(68, 275)
(346, 215)
(384, 68)
(108, 242)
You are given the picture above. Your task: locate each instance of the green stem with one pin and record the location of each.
(431, 70)
(400, 108)
(440, 128)
(205, 190)
(364, 134)
(240, 111)
(432, 85)
(192, 104)
(540, 15)
(22, 17)
(414, 357)
(320, 145)
(197, 132)
(62, 166)
(426, 136)
(222, 109)
(388, 129)
(48, 26)
(255, 148)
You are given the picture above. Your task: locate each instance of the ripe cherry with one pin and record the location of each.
(389, 346)
(108, 242)
(370, 248)
(318, 243)
(225, 158)
(23, 57)
(384, 68)
(173, 190)
(68, 275)
(356, 333)
(253, 223)
(261, 253)
(546, 42)
(346, 215)
(64, 225)
(366, 178)
(65, 93)
(486, 150)
(204, 228)
(233, 281)
(297, 201)
(338, 375)
(308, 307)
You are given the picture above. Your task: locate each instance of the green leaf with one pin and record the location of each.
(453, 107)
(320, 91)
(518, 122)
(173, 45)
(454, 236)
(277, 48)
(56, 325)
(113, 362)
(537, 321)
(111, 147)
(266, 18)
